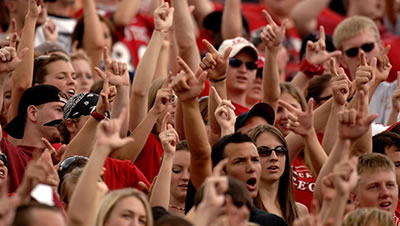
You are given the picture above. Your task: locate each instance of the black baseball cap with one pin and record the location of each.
(261, 109)
(36, 96)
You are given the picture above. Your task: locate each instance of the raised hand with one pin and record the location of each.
(116, 70)
(187, 85)
(224, 114)
(316, 51)
(303, 121)
(50, 30)
(365, 74)
(340, 84)
(104, 102)
(35, 7)
(383, 65)
(56, 155)
(214, 63)
(345, 176)
(352, 123)
(108, 134)
(164, 97)
(273, 35)
(9, 59)
(163, 17)
(168, 136)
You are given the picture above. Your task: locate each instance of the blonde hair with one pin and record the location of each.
(287, 87)
(155, 86)
(351, 27)
(69, 178)
(368, 216)
(80, 55)
(111, 199)
(373, 161)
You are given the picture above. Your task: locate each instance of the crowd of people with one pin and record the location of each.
(199, 112)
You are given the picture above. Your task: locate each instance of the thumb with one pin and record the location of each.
(370, 119)
(283, 27)
(227, 53)
(374, 62)
(202, 77)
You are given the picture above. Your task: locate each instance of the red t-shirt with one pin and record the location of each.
(149, 159)
(304, 183)
(123, 174)
(329, 19)
(239, 109)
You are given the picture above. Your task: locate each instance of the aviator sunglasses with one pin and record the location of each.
(366, 47)
(264, 151)
(237, 63)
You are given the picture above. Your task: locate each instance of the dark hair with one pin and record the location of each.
(182, 146)
(97, 87)
(384, 140)
(40, 66)
(236, 189)
(170, 220)
(23, 216)
(317, 85)
(77, 34)
(285, 193)
(159, 212)
(218, 149)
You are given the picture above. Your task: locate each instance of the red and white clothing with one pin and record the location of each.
(303, 182)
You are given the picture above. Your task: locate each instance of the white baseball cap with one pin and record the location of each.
(238, 44)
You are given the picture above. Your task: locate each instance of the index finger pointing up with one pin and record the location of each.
(216, 95)
(209, 46)
(363, 60)
(268, 17)
(332, 64)
(322, 35)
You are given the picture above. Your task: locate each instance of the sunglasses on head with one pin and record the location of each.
(264, 151)
(237, 63)
(366, 47)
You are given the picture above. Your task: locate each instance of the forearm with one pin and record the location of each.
(295, 145)
(271, 89)
(306, 19)
(162, 61)
(120, 102)
(162, 186)
(301, 81)
(330, 133)
(336, 209)
(199, 147)
(317, 154)
(321, 115)
(179, 127)
(184, 34)
(392, 117)
(83, 203)
(232, 25)
(202, 9)
(142, 80)
(173, 52)
(125, 12)
(131, 150)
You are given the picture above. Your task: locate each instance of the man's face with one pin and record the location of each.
(46, 113)
(239, 78)
(394, 154)
(364, 37)
(377, 188)
(244, 164)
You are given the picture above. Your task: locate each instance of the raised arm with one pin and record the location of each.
(23, 75)
(305, 15)
(86, 196)
(201, 9)
(188, 87)
(272, 36)
(394, 113)
(125, 12)
(231, 25)
(162, 186)
(163, 17)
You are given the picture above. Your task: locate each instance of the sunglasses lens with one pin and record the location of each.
(251, 66)
(264, 151)
(368, 47)
(4, 159)
(353, 52)
(235, 62)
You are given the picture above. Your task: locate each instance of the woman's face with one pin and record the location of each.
(3, 172)
(128, 211)
(180, 175)
(84, 77)
(273, 166)
(107, 35)
(282, 114)
(61, 74)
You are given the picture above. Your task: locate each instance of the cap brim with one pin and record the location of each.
(15, 127)
(239, 48)
(261, 109)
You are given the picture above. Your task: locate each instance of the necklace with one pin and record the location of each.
(177, 207)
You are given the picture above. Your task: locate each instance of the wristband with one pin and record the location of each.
(96, 115)
(218, 80)
(311, 69)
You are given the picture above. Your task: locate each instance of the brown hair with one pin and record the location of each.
(373, 161)
(69, 178)
(287, 87)
(40, 66)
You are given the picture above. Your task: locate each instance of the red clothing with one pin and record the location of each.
(396, 220)
(329, 19)
(397, 212)
(304, 183)
(149, 159)
(122, 174)
(239, 109)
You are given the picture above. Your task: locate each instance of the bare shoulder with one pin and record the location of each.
(302, 209)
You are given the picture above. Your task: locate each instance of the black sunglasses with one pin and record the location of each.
(68, 165)
(4, 159)
(264, 151)
(366, 47)
(237, 63)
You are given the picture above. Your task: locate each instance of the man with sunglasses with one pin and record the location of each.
(241, 71)
(355, 35)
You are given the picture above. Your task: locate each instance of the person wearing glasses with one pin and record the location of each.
(275, 193)
(241, 71)
(354, 36)
(3, 168)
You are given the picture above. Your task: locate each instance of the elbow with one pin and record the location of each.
(121, 20)
(137, 92)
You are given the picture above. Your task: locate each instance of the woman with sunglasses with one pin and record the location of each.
(275, 193)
